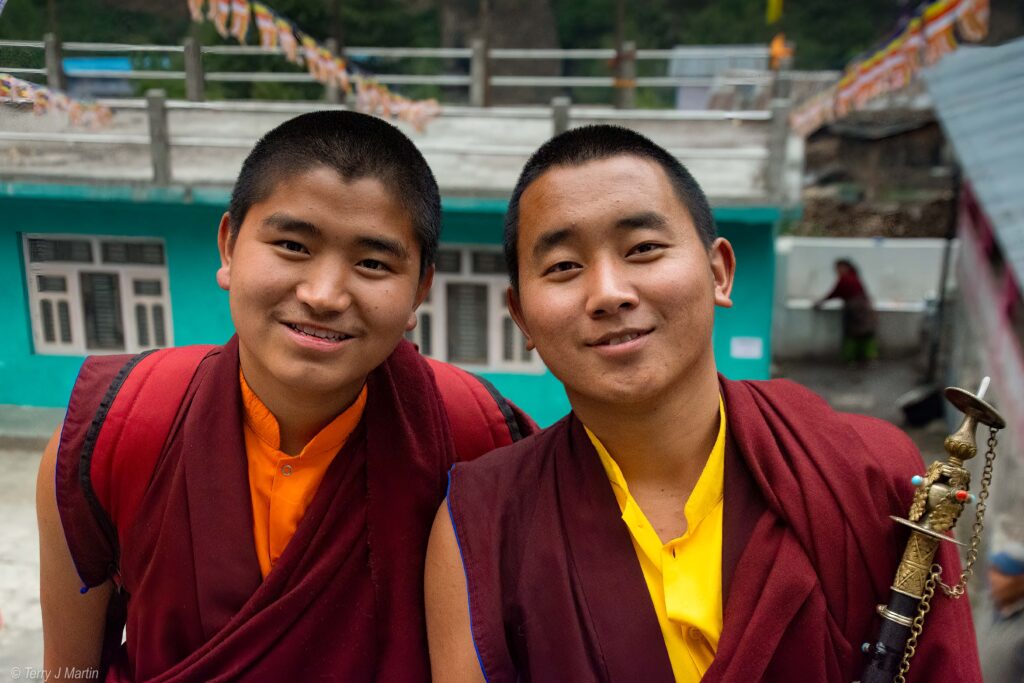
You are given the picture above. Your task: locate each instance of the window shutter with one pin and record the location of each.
(159, 327)
(467, 323)
(69, 251)
(101, 306)
(142, 325)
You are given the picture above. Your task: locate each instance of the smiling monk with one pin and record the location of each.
(676, 525)
(278, 531)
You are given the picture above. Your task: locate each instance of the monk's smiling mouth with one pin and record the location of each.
(318, 332)
(620, 337)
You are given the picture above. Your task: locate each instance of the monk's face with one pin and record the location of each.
(616, 290)
(323, 280)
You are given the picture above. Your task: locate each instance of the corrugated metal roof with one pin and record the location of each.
(978, 94)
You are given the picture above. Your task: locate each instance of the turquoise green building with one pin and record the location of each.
(87, 269)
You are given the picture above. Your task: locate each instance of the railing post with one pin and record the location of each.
(54, 66)
(159, 136)
(331, 91)
(560, 115)
(479, 76)
(778, 140)
(625, 76)
(782, 81)
(195, 82)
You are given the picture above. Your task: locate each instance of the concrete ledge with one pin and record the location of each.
(26, 427)
(802, 332)
(879, 306)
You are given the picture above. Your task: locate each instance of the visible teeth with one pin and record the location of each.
(316, 332)
(614, 341)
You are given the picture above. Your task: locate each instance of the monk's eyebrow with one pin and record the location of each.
(285, 223)
(384, 245)
(644, 220)
(551, 239)
(649, 220)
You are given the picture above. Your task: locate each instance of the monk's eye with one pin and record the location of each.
(646, 248)
(561, 267)
(374, 264)
(291, 245)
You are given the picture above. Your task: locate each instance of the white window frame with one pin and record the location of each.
(416, 335)
(497, 311)
(127, 273)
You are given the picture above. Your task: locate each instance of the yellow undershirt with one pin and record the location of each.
(684, 576)
(282, 486)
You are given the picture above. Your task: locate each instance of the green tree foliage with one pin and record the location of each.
(827, 33)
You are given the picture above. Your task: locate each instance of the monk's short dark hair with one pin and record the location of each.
(356, 146)
(594, 143)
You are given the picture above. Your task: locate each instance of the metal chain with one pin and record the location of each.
(960, 588)
(918, 625)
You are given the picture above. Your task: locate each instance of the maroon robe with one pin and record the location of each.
(556, 591)
(343, 602)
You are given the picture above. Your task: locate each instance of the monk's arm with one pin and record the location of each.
(73, 623)
(452, 654)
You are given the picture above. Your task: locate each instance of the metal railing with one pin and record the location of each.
(622, 77)
(160, 140)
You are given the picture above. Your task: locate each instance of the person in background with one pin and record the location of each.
(1001, 637)
(859, 319)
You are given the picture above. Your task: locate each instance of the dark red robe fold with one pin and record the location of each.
(199, 608)
(556, 591)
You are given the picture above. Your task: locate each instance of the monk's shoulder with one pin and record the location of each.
(870, 443)
(493, 501)
(516, 463)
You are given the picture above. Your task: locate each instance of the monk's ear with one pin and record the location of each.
(422, 290)
(225, 245)
(723, 269)
(516, 310)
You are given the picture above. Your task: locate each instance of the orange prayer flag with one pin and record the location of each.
(341, 74)
(972, 20)
(289, 45)
(265, 25)
(327, 65)
(221, 15)
(939, 19)
(311, 55)
(240, 13)
(195, 9)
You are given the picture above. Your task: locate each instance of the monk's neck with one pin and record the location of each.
(666, 440)
(300, 414)
(298, 420)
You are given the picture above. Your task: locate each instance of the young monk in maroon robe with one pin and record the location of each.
(676, 525)
(281, 533)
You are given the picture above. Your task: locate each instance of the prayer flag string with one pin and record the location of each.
(232, 18)
(933, 31)
(43, 100)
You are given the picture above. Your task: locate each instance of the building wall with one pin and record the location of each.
(742, 335)
(199, 309)
(983, 343)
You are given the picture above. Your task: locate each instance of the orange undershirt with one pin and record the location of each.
(283, 485)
